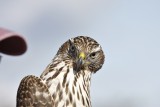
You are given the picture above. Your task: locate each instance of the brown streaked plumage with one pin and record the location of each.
(66, 80)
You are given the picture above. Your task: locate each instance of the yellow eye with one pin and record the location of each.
(72, 51)
(92, 55)
(72, 48)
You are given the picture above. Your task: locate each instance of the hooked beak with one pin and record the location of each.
(80, 62)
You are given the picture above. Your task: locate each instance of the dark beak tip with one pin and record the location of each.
(78, 65)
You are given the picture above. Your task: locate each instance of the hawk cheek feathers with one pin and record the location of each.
(66, 81)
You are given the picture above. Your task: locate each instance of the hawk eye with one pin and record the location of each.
(72, 51)
(92, 55)
(72, 48)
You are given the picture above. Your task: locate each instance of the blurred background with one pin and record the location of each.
(128, 30)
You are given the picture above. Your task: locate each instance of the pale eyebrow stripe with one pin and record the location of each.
(97, 48)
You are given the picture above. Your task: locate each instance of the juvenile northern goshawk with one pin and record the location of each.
(66, 80)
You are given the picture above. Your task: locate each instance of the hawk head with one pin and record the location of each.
(66, 80)
(84, 52)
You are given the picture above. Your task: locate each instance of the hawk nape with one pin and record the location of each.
(66, 80)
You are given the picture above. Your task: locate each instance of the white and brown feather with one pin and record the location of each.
(59, 85)
(32, 92)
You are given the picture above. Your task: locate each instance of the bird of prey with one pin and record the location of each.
(66, 80)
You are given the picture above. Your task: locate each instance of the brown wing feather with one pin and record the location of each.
(32, 92)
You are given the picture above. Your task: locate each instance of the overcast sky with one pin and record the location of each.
(128, 31)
